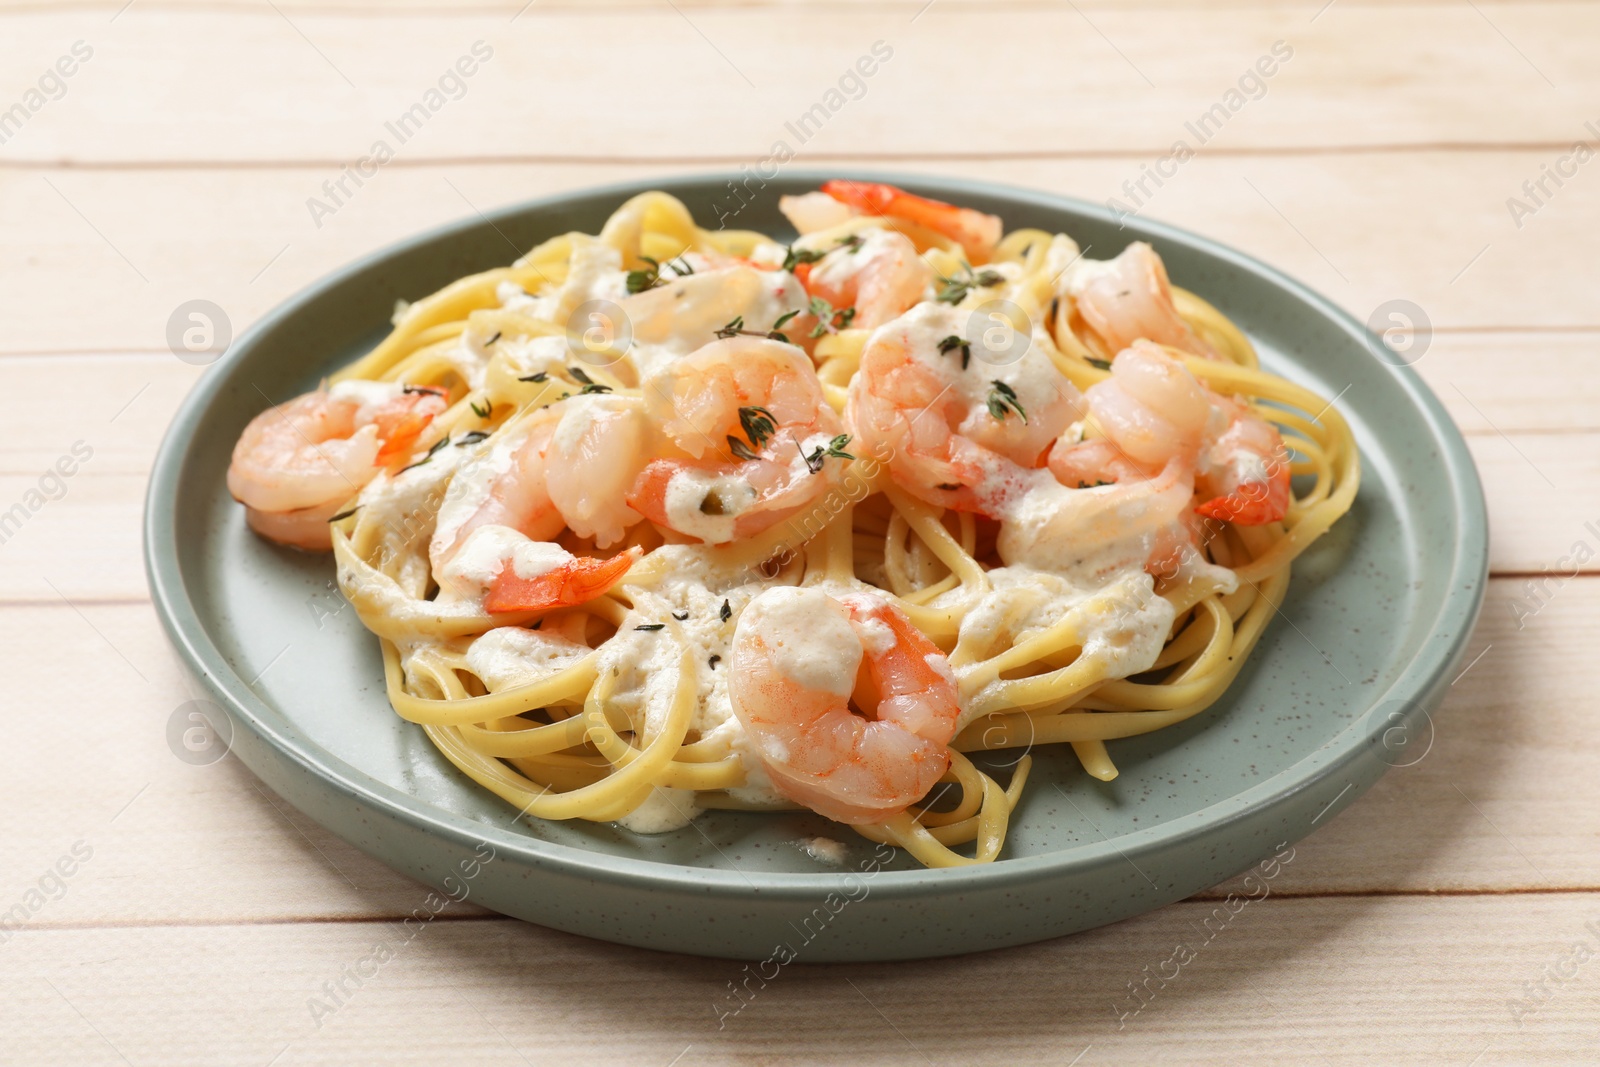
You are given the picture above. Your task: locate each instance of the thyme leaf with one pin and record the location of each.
(793, 257)
(758, 424)
(954, 342)
(954, 289)
(645, 277)
(1003, 401)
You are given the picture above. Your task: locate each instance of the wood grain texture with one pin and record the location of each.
(1432, 922)
(139, 243)
(1119, 80)
(1397, 980)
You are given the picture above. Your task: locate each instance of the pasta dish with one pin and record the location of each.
(668, 519)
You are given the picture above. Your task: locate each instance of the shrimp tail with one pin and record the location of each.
(576, 582)
(974, 231)
(1252, 503)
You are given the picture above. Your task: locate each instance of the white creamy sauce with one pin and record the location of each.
(812, 644)
(509, 656)
(877, 637)
(1248, 468)
(369, 396)
(824, 850)
(994, 345)
(664, 810)
(688, 490)
(1089, 534)
(1122, 623)
(483, 555)
(469, 490)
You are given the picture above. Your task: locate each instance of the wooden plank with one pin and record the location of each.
(1522, 76)
(1489, 809)
(1281, 981)
(137, 244)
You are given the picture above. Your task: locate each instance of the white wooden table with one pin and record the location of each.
(1451, 916)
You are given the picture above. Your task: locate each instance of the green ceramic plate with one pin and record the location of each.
(1379, 611)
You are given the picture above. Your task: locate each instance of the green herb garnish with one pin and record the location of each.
(1003, 401)
(953, 342)
(793, 257)
(436, 446)
(954, 290)
(645, 277)
(833, 448)
(830, 320)
(758, 424)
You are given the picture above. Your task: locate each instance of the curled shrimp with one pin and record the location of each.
(974, 231)
(879, 274)
(1127, 298)
(958, 429)
(294, 464)
(800, 657)
(566, 466)
(1155, 412)
(685, 312)
(513, 572)
(757, 441)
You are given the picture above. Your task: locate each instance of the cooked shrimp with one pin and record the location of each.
(685, 313)
(513, 572)
(757, 401)
(881, 276)
(1127, 298)
(810, 212)
(297, 462)
(1104, 525)
(566, 466)
(974, 231)
(799, 656)
(1154, 412)
(955, 424)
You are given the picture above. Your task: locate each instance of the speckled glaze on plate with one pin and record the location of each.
(1378, 613)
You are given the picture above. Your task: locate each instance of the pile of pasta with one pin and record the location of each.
(562, 746)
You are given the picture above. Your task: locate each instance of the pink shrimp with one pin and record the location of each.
(1155, 412)
(959, 429)
(295, 464)
(574, 581)
(1127, 298)
(879, 274)
(565, 467)
(758, 403)
(974, 231)
(798, 658)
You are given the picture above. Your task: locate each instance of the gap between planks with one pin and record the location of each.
(867, 158)
(1206, 897)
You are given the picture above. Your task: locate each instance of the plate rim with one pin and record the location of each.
(1418, 681)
